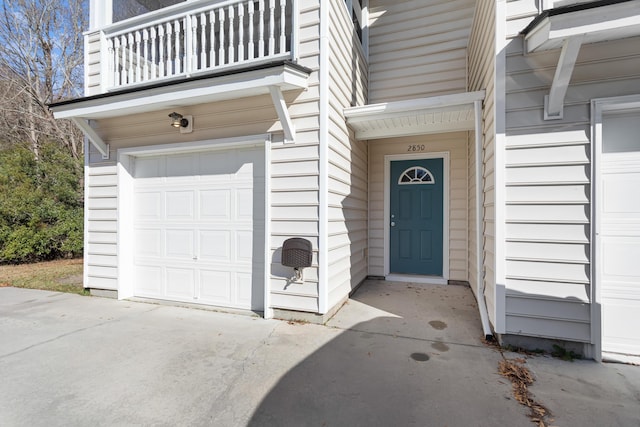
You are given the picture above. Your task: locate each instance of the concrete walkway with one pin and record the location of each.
(395, 355)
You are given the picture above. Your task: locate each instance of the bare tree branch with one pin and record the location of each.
(41, 57)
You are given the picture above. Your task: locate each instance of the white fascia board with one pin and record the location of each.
(414, 105)
(597, 24)
(200, 91)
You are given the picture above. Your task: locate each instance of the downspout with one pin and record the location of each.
(482, 306)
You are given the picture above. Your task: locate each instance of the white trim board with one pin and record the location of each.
(444, 155)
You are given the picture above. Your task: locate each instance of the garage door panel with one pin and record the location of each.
(244, 289)
(179, 243)
(215, 205)
(244, 247)
(215, 287)
(148, 242)
(149, 280)
(622, 324)
(620, 256)
(244, 204)
(215, 245)
(148, 206)
(179, 205)
(180, 283)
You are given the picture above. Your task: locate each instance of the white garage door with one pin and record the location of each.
(620, 236)
(199, 227)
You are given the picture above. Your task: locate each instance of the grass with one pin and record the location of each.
(58, 276)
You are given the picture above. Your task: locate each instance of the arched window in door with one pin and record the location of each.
(416, 175)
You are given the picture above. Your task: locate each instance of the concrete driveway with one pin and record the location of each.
(396, 354)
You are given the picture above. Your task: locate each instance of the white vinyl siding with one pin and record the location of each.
(482, 77)
(548, 183)
(347, 161)
(456, 144)
(417, 49)
(92, 66)
(101, 225)
(295, 174)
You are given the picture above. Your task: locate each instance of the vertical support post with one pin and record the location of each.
(482, 307)
(295, 19)
(100, 13)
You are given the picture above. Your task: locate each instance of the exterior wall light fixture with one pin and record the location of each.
(178, 121)
(184, 123)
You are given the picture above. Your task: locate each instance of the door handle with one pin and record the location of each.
(393, 224)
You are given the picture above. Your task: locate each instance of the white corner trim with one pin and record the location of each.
(323, 178)
(96, 140)
(554, 102)
(268, 310)
(445, 156)
(499, 161)
(283, 113)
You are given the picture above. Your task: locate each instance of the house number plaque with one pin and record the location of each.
(415, 147)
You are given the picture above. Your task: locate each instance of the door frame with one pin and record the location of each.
(599, 107)
(438, 280)
(125, 223)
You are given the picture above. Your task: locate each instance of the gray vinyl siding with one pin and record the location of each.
(548, 181)
(293, 172)
(347, 160)
(418, 49)
(482, 76)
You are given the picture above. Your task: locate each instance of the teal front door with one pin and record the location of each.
(416, 218)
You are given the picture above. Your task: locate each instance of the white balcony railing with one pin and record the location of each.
(190, 39)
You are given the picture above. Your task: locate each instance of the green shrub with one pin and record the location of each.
(41, 206)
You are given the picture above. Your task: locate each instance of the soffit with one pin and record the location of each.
(448, 113)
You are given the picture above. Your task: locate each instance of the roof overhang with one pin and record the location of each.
(568, 28)
(596, 21)
(184, 92)
(439, 114)
(269, 78)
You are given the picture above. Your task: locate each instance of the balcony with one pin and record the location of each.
(196, 38)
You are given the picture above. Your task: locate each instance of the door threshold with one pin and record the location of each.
(428, 280)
